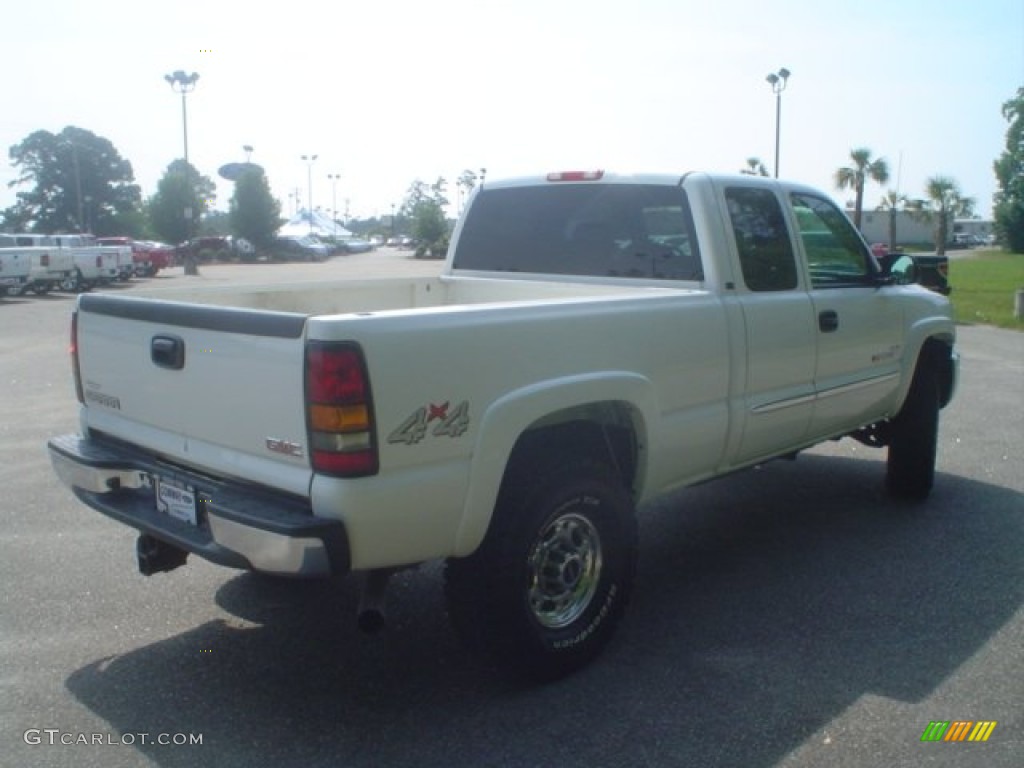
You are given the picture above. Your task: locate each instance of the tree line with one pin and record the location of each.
(76, 181)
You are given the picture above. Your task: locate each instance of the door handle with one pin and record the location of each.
(828, 321)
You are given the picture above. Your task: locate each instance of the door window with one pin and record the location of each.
(762, 239)
(836, 254)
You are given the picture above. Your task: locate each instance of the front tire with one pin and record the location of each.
(910, 466)
(547, 588)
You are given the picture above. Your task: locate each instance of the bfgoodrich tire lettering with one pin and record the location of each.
(545, 591)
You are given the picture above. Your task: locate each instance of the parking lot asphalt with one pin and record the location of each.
(787, 616)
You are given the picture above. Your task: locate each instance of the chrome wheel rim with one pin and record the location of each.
(564, 570)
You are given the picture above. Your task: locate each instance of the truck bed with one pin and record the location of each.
(393, 294)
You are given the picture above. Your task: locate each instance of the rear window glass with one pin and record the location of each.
(599, 230)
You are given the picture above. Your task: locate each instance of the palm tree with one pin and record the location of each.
(944, 204)
(893, 202)
(863, 168)
(755, 167)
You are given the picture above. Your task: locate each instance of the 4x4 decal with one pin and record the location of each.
(414, 429)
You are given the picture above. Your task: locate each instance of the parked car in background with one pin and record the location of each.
(356, 245)
(15, 268)
(932, 270)
(148, 257)
(49, 265)
(160, 255)
(206, 248)
(305, 248)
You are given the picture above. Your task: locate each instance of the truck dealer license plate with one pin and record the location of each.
(176, 500)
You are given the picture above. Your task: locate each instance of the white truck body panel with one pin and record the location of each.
(15, 266)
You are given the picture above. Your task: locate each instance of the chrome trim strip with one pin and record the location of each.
(779, 405)
(843, 389)
(863, 384)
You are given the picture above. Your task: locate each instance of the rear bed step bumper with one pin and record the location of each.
(238, 525)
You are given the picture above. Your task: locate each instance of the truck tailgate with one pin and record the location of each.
(212, 387)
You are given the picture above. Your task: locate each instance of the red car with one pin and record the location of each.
(148, 257)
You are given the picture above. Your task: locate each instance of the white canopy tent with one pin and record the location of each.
(299, 225)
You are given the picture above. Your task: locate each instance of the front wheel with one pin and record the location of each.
(547, 588)
(910, 466)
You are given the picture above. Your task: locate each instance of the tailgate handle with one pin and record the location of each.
(168, 352)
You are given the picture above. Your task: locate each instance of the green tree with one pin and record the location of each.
(465, 184)
(425, 204)
(182, 197)
(944, 204)
(755, 167)
(1009, 168)
(855, 175)
(893, 202)
(255, 213)
(80, 182)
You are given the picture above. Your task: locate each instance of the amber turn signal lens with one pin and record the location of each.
(339, 418)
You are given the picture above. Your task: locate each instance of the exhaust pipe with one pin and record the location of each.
(155, 556)
(370, 616)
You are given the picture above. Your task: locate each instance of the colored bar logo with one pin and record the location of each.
(959, 730)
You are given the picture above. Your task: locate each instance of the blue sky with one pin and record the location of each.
(387, 92)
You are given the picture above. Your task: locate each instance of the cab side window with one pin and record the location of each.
(762, 239)
(836, 254)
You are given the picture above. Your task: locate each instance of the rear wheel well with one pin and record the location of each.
(603, 431)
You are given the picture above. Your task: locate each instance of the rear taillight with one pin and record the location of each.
(943, 268)
(339, 412)
(75, 369)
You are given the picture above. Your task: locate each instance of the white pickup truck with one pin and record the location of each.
(592, 342)
(49, 265)
(15, 268)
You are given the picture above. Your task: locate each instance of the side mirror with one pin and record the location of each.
(903, 271)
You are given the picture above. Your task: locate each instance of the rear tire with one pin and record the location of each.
(548, 586)
(910, 466)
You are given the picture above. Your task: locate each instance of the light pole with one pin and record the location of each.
(247, 148)
(778, 80)
(309, 160)
(184, 84)
(334, 199)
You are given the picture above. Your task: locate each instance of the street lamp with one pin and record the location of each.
(247, 148)
(334, 199)
(183, 84)
(778, 80)
(309, 160)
